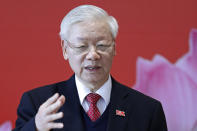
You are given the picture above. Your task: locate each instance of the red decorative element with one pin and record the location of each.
(93, 111)
(120, 113)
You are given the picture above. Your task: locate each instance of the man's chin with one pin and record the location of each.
(98, 80)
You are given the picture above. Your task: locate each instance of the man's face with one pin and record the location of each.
(90, 49)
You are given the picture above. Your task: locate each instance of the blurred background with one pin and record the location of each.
(30, 51)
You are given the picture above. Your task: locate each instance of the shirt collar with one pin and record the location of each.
(104, 91)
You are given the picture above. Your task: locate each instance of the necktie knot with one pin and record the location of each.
(93, 98)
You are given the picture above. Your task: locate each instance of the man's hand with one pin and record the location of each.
(47, 113)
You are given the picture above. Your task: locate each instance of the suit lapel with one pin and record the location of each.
(72, 109)
(118, 122)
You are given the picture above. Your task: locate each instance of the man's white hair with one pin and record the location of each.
(84, 13)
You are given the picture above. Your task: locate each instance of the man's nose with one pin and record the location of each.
(92, 54)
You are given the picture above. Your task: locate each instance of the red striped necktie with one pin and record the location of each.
(93, 111)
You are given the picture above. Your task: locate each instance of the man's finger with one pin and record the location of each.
(62, 101)
(54, 117)
(53, 125)
(51, 100)
(53, 108)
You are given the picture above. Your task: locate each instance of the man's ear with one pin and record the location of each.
(63, 44)
(114, 49)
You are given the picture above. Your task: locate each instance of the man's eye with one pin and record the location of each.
(102, 45)
(81, 47)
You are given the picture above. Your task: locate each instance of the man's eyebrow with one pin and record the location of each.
(82, 39)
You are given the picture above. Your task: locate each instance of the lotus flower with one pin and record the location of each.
(6, 126)
(174, 85)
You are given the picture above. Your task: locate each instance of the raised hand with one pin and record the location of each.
(47, 113)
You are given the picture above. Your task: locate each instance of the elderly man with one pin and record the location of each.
(91, 100)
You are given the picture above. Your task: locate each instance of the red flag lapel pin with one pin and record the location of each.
(120, 113)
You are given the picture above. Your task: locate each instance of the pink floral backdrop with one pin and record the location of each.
(175, 85)
(6, 126)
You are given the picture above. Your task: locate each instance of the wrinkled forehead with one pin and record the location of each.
(89, 30)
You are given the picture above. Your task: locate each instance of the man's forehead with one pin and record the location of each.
(89, 30)
(97, 38)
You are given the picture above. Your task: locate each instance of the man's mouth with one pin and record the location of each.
(92, 68)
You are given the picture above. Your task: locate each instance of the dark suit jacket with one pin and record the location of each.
(142, 113)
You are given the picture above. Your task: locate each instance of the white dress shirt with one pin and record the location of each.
(104, 91)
